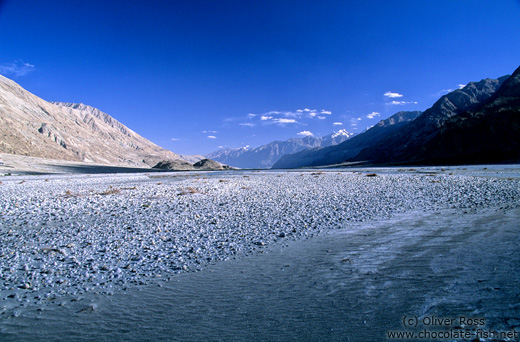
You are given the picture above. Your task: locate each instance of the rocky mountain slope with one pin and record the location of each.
(266, 155)
(489, 133)
(348, 149)
(461, 127)
(401, 145)
(33, 127)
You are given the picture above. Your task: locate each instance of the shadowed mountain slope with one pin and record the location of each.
(488, 134)
(475, 124)
(405, 144)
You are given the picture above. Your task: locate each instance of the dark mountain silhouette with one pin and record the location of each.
(404, 145)
(476, 124)
(487, 134)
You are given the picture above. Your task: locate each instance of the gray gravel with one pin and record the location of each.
(67, 235)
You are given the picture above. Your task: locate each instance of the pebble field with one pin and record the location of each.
(68, 235)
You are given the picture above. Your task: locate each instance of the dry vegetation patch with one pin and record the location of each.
(188, 191)
(110, 191)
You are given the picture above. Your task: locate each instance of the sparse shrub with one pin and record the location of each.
(69, 193)
(111, 191)
(188, 191)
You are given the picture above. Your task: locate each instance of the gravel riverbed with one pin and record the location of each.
(63, 236)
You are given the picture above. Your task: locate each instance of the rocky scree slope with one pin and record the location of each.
(31, 126)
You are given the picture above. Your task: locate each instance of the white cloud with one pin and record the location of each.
(354, 122)
(176, 139)
(16, 69)
(442, 92)
(205, 132)
(400, 103)
(392, 95)
(285, 117)
(311, 113)
(338, 123)
(373, 115)
(212, 137)
(446, 91)
(247, 124)
(283, 121)
(306, 134)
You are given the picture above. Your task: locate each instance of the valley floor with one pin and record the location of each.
(332, 255)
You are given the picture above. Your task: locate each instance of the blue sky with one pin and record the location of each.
(193, 75)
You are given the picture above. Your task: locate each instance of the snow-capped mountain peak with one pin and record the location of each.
(342, 132)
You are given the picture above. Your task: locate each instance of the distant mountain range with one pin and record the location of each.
(266, 155)
(33, 127)
(479, 123)
(348, 149)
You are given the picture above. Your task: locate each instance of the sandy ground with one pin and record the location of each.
(22, 165)
(347, 285)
